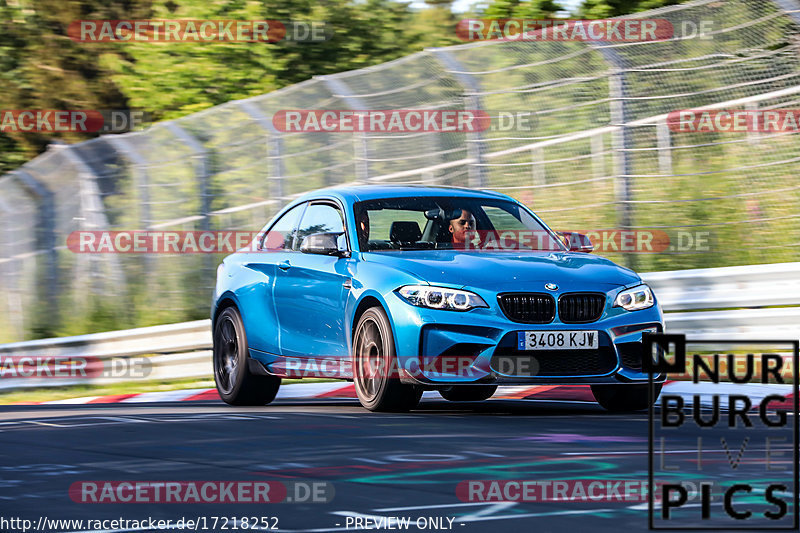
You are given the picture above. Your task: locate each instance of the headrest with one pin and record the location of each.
(405, 231)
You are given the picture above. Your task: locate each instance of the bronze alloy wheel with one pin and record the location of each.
(375, 372)
(235, 383)
(226, 354)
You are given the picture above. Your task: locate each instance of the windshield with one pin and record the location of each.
(474, 224)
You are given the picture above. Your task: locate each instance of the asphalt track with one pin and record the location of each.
(380, 464)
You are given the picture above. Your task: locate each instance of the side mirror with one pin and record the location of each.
(324, 244)
(577, 242)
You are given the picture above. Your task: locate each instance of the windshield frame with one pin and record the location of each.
(482, 201)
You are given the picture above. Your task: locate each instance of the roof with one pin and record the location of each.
(357, 193)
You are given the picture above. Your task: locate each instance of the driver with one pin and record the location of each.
(460, 226)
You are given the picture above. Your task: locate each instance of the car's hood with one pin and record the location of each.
(504, 271)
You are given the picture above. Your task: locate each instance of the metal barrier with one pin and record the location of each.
(727, 287)
(721, 292)
(173, 351)
(183, 350)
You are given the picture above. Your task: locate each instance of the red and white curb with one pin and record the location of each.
(568, 393)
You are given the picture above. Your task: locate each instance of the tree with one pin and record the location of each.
(598, 9)
(530, 9)
(43, 69)
(173, 80)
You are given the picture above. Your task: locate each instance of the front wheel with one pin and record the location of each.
(468, 393)
(624, 397)
(375, 373)
(235, 384)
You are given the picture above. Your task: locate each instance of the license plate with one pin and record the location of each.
(557, 340)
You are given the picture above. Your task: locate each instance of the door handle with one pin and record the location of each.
(284, 265)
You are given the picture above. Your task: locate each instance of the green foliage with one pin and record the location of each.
(531, 9)
(42, 68)
(598, 9)
(170, 80)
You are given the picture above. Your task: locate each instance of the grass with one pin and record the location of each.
(45, 394)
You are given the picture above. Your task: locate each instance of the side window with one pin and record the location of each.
(319, 218)
(280, 235)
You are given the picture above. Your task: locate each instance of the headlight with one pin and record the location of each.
(440, 297)
(640, 297)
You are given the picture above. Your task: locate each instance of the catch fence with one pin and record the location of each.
(600, 155)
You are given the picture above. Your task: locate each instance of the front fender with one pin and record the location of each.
(376, 281)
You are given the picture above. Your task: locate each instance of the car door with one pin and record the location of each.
(255, 294)
(310, 291)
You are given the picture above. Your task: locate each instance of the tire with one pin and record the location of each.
(375, 370)
(235, 384)
(619, 398)
(468, 393)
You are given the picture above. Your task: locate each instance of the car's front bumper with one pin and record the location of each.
(436, 347)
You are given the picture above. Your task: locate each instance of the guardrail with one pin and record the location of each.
(726, 303)
(697, 302)
(174, 350)
(727, 287)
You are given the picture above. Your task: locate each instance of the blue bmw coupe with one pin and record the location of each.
(403, 289)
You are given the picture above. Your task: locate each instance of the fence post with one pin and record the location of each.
(141, 179)
(202, 169)
(46, 240)
(91, 202)
(472, 101)
(753, 137)
(202, 175)
(620, 138)
(539, 173)
(9, 271)
(274, 147)
(664, 141)
(140, 175)
(598, 157)
(94, 215)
